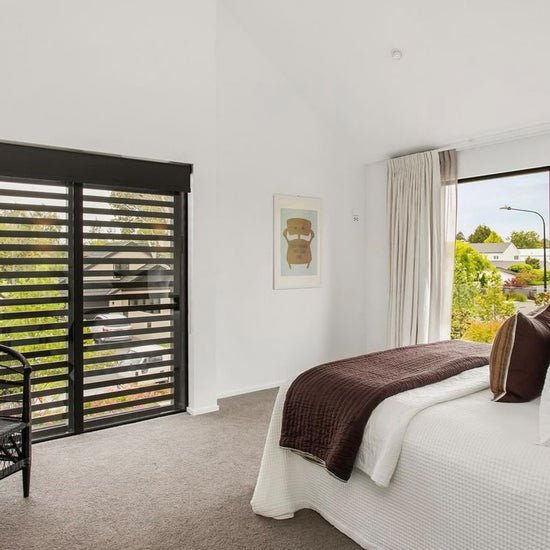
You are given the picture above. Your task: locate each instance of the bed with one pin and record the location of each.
(456, 470)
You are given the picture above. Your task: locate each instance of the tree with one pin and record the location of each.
(526, 239)
(477, 292)
(481, 232)
(533, 262)
(494, 238)
(460, 236)
(491, 304)
(470, 267)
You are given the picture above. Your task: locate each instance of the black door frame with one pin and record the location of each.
(71, 168)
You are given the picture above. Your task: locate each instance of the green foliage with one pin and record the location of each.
(29, 328)
(491, 304)
(526, 276)
(533, 277)
(542, 298)
(470, 265)
(482, 331)
(481, 232)
(493, 238)
(533, 262)
(520, 267)
(526, 239)
(477, 291)
(31, 227)
(460, 236)
(516, 297)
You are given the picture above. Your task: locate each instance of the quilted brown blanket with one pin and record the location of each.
(327, 407)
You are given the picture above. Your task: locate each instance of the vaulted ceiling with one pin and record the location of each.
(470, 69)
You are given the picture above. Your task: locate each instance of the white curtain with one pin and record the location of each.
(422, 223)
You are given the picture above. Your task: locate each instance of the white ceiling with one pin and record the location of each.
(470, 68)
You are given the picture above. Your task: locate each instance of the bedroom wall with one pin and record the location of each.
(131, 77)
(271, 141)
(529, 152)
(140, 79)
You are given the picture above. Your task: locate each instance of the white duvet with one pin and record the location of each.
(383, 437)
(385, 430)
(469, 474)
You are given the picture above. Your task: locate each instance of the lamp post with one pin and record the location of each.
(543, 235)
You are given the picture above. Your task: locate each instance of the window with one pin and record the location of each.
(138, 302)
(59, 303)
(504, 208)
(119, 269)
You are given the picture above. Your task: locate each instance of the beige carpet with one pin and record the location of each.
(177, 482)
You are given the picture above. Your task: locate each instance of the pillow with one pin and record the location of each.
(520, 356)
(544, 412)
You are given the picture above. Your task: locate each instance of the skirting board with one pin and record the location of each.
(202, 410)
(250, 389)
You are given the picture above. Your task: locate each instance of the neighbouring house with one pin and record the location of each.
(501, 255)
(535, 253)
(131, 284)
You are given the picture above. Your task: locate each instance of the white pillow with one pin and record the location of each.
(544, 412)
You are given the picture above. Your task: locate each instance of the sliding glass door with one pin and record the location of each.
(131, 255)
(92, 279)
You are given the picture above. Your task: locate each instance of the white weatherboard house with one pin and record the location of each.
(502, 252)
(503, 255)
(537, 253)
(499, 254)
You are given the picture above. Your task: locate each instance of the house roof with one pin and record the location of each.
(114, 254)
(488, 248)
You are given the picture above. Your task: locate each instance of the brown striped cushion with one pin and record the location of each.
(520, 356)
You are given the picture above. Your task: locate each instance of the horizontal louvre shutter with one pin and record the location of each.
(34, 290)
(128, 279)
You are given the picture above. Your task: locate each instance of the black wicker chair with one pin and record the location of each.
(15, 415)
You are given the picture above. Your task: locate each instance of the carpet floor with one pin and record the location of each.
(178, 482)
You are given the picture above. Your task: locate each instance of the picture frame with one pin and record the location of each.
(296, 242)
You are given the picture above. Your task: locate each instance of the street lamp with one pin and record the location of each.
(543, 234)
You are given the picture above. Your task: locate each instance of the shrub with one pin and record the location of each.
(517, 297)
(532, 277)
(542, 298)
(534, 262)
(520, 267)
(482, 331)
(515, 283)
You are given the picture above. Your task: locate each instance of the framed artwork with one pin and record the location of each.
(296, 242)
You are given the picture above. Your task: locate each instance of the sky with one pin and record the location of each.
(479, 203)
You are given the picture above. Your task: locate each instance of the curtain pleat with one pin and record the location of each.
(422, 222)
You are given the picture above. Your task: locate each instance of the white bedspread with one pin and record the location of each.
(383, 437)
(470, 476)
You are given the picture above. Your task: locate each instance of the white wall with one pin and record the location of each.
(131, 77)
(377, 248)
(139, 78)
(520, 154)
(271, 141)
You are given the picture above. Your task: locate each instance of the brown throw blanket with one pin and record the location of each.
(327, 407)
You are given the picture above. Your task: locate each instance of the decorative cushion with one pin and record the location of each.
(520, 356)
